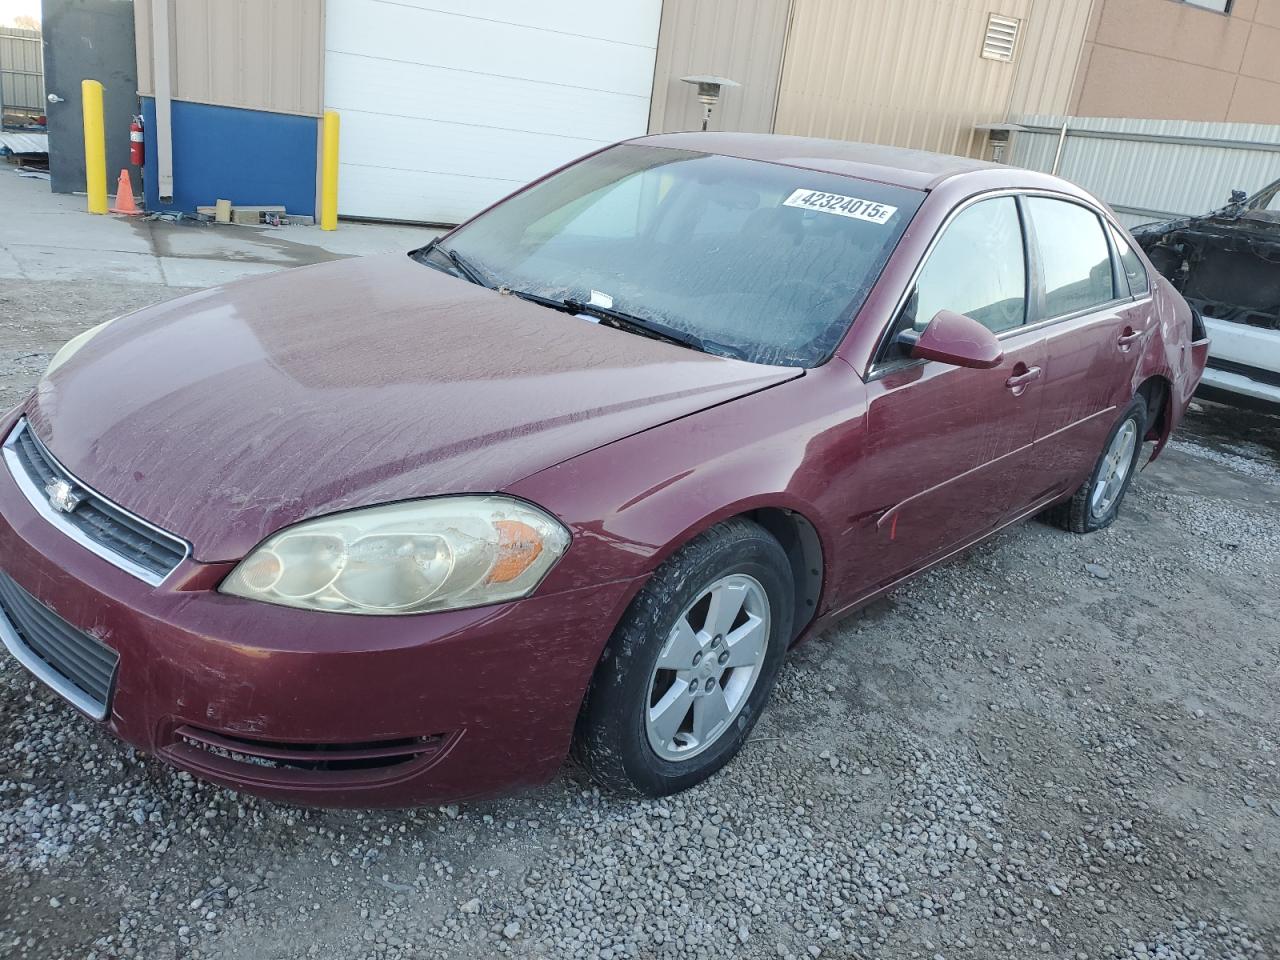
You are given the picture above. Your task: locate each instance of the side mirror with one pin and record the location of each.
(955, 339)
(1238, 196)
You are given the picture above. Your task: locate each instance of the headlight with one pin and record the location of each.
(72, 346)
(415, 557)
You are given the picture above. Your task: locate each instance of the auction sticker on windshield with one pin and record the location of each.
(843, 206)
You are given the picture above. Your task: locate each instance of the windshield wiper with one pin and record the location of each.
(654, 329)
(457, 261)
(621, 320)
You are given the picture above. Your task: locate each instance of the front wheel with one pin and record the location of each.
(690, 667)
(1097, 503)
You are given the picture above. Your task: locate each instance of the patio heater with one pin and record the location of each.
(709, 92)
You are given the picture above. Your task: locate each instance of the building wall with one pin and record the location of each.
(1049, 58)
(1166, 59)
(739, 39)
(21, 72)
(247, 86)
(902, 72)
(254, 54)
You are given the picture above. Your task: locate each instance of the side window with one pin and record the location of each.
(977, 268)
(1076, 258)
(1134, 271)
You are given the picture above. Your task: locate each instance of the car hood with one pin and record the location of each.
(228, 414)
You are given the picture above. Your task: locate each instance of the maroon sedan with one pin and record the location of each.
(404, 529)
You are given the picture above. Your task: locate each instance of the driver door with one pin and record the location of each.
(946, 446)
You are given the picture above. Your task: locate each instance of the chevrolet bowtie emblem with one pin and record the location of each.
(62, 496)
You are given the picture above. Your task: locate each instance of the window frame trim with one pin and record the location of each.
(878, 367)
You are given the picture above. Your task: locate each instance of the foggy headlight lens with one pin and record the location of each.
(442, 554)
(72, 346)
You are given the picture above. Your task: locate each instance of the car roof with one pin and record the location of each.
(915, 169)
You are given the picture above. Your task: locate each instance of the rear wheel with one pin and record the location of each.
(1097, 503)
(690, 667)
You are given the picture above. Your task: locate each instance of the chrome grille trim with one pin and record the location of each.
(69, 661)
(176, 548)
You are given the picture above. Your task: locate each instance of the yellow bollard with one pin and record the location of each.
(95, 146)
(329, 172)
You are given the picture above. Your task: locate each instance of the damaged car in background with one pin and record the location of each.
(1227, 265)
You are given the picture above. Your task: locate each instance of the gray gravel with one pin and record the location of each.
(1014, 756)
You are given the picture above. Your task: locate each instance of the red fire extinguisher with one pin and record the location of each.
(137, 149)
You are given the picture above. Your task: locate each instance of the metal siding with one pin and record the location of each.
(21, 71)
(209, 146)
(255, 54)
(739, 39)
(1163, 179)
(1052, 44)
(901, 72)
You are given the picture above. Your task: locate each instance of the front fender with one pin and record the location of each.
(632, 503)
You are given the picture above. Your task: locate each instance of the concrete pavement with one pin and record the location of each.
(48, 236)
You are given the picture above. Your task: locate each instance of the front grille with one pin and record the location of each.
(107, 529)
(69, 660)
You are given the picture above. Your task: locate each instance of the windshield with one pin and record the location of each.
(748, 259)
(1267, 199)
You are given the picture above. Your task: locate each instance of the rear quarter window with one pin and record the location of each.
(1135, 273)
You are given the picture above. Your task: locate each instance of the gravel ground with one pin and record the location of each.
(1060, 746)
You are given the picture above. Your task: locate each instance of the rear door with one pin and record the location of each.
(946, 445)
(1096, 327)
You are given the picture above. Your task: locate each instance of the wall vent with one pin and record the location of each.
(1001, 38)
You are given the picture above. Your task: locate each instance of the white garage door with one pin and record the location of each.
(448, 105)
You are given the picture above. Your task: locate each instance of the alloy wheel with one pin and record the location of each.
(707, 668)
(1116, 464)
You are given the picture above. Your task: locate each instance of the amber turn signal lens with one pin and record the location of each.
(518, 546)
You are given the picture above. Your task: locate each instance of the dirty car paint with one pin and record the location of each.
(226, 415)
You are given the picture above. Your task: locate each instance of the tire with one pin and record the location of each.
(1080, 514)
(632, 704)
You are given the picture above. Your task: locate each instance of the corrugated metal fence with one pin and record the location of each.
(21, 72)
(1152, 169)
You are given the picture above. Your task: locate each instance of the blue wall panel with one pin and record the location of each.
(224, 153)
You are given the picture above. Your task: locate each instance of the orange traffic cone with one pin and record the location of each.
(124, 197)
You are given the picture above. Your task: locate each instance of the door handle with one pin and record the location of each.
(1131, 336)
(1020, 380)
(54, 98)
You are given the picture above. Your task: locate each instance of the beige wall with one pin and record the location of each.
(1169, 60)
(258, 54)
(738, 39)
(900, 72)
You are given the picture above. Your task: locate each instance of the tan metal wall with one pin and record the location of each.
(901, 72)
(257, 54)
(739, 39)
(1049, 55)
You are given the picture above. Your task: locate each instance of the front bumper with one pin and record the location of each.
(398, 711)
(1244, 363)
